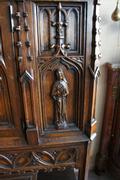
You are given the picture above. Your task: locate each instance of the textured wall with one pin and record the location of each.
(110, 38)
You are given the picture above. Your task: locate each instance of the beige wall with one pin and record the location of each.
(110, 50)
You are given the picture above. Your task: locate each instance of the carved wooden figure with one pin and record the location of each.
(59, 93)
(47, 85)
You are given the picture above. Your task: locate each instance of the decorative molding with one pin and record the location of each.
(2, 62)
(55, 157)
(11, 18)
(37, 160)
(55, 62)
(26, 82)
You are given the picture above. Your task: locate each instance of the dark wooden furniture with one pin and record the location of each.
(109, 152)
(47, 85)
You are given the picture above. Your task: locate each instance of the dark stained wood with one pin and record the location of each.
(10, 103)
(47, 85)
(109, 151)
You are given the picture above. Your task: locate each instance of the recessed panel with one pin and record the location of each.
(66, 102)
(73, 21)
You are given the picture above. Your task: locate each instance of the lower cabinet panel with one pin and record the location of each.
(32, 160)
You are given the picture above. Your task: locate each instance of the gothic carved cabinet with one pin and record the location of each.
(47, 84)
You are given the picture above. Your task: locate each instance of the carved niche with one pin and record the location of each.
(60, 31)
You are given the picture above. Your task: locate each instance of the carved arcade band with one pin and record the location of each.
(59, 94)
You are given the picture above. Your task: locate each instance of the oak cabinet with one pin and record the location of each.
(47, 85)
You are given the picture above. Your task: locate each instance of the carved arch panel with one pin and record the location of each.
(73, 17)
(73, 74)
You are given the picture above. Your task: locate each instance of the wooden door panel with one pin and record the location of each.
(10, 113)
(60, 29)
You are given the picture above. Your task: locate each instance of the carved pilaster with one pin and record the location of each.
(27, 84)
(26, 81)
(94, 66)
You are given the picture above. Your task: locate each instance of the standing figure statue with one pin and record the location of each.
(59, 94)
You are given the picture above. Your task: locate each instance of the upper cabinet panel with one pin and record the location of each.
(73, 26)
